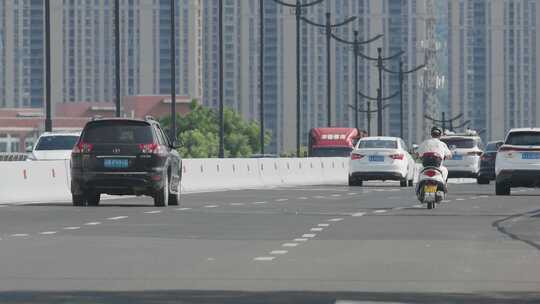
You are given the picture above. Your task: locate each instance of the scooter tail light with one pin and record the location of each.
(430, 173)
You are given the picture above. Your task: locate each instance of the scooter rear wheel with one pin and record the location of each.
(430, 205)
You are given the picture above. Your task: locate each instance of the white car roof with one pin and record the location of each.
(60, 134)
(380, 138)
(524, 130)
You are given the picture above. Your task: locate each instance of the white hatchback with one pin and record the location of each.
(54, 146)
(381, 158)
(466, 151)
(518, 161)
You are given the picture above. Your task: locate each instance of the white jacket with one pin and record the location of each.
(434, 145)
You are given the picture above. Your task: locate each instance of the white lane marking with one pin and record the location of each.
(309, 235)
(290, 245)
(183, 209)
(446, 201)
(48, 232)
(336, 195)
(336, 219)
(352, 193)
(323, 225)
(380, 211)
(484, 196)
(278, 251)
(316, 229)
(300, 240)
(399, 208)
(92, 223)
(264, 258)
(237, 204)
(117, 218)
(302, 198)
(259, 203)
(72, 228)
(19, 234)
(153, 212)
(358, 214)
(460, 199)
(318, 196)
(211, 206)
(282, 199)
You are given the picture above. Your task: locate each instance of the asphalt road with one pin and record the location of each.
(320, 244)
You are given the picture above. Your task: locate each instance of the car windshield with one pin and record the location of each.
(460, 143)
(331, 152)
(118, 132)
(377, 144)
(524, 139)
(57, 142)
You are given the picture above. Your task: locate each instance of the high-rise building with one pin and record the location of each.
(21, 53)
(83, 48)
(493, 49)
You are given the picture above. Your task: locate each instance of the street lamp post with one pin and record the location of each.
(443, 121)
(117, 53)
(221, 114)
(328, 27)
(298, 7)
(173, 72)
(48, 101)
(261, 75)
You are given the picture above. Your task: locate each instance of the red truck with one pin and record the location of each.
(333, 142)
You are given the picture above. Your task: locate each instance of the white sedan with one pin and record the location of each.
(381, 158)
(54, 146)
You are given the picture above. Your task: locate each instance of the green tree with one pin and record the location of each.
(198, 133)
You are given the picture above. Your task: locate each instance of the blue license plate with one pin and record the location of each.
(115, 163)
(530, 155)
(457, 157)
(376, 158)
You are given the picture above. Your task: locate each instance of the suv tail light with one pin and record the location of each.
(397, 156)
(152, 149)
(355, 156)
(430, 173)
(82, 148)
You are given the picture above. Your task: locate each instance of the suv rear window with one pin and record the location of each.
(377, 144)
(57, 142)
(460, 143)
(523, 139)
(125, 132)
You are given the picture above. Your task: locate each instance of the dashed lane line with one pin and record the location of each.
(264, 258)
(183, 209)
(282, 199)
(259, 203)
(92, 223)
(278, 252)
(323, 225)
(72, 228)
(302, 198)
(211, 206)
(289, 245)
(300, 240)
(358, 214)
(153, 212)
(19, 234)
(336, 219)
(380, 211)
(309, 235)
(117, 218)
(48, 232)
(316, 229)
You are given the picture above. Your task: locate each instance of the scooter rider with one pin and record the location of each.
(435, 145)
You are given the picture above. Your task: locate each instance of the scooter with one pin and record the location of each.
(431, 187)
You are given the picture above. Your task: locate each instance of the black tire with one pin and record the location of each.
(410, 183)
(78, 200)
(353, 182)
(403, 183)
(161, 197)
(502, 188)
(174, 198)
(430, 205)
(482, 181)
(359, 183)
(92, 198)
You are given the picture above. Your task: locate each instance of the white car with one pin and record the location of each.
(381, 158)
(54, 146)
(518, 161)
(466, 150)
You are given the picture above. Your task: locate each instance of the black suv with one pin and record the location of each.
(125, 157)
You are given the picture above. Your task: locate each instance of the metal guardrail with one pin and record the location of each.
(13, 156)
